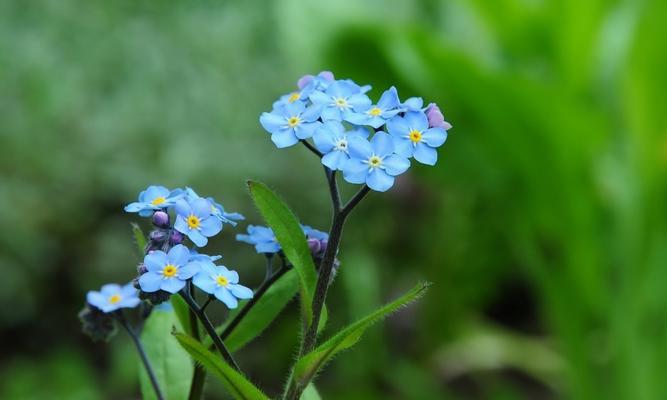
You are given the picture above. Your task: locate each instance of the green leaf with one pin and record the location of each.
(170, 362)
(310, 393)
(239, 387)
(139, 239)
(311, 363)
(264, 311)
(182, 312)
(286, 227)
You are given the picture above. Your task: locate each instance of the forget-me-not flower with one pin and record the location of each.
(168, 271)
(288, 123)
(222, 283)
(413, 137)
(152, 199)
(196, 256)
(262, 238)
(374, 163)
(195, 219)
(331, 139)
(340, 100)
(387, 107)
(112, 297)
(216, 208)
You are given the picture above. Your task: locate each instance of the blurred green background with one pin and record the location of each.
(543, 226)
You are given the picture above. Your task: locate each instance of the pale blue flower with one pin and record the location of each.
(168, 271)
(376, 116)
(152, 199)
(196, 256)
(374, 163)
(195, 219)
(413, 137)
(288, 123)
(112, 297)
(216, 208)
(340, 100)
(262, 238)
(221, 283)
(331, 140)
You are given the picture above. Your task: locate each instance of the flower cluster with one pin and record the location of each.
(340, 118)
(265, 242)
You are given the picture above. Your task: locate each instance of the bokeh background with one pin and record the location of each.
(543, 226)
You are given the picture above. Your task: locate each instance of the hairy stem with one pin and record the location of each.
(210, 329)
(142, 355)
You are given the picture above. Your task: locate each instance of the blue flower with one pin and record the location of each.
(222, 283)
(341, 100)
(112, 297)
(168, 271)
(377, 115)
(312, 233)
(413, 104)
(262, 238)
(331, 140)
(374, 163)
(413, 137)
(319, 82)
(152, 199)
(288, 123)
(195, 219)
(196, 256)
(216, 208)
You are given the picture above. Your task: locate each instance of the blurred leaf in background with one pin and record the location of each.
(543, 225)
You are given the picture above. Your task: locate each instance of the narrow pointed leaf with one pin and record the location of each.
(235, 383)
(139, 239)
(310, 393)
(182, 312)
(311, 363)
(286, 227)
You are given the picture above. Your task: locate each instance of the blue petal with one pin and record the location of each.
(267, 247)
(357, 118)
(153, 192)
(379, 180)
(306, 129)
(331, 113)
(180, 225)
(335, 160)
(156, 260)
(395, 164)
(128, 290)
(398, 127)
(245, 238)
(359, 102)
(389, 99)
(129, 302)
(222, 294)
(204, 282)
(413, 104)
(189, 270)
(324, 138)
(403, 146)
(318, 97)
(150, 282)
(179, 255)
(172, 285)
(210, 227)
(135, 207)
(284, 138)
(197, 238)
(358, 131)
(201, 207)
(417, 120)
(434, 137)
(354, 171)
(110, 289)
(359, 148)
(312, 113)
(232, 276)
(96, 299)
(382, 144)
(425, 155)
(147, 212)
(241, 291)
(182, 208)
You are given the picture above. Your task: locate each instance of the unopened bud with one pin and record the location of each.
(176, 237)
(435, 117)
(161, 219)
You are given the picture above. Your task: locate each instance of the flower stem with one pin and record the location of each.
(210, 329)
(199, 375)
(311, 148)
(142, 354)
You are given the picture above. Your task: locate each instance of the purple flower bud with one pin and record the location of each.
(315, 246)
(306, 79)
(141, 269)
(157, 236)
(435, 117)
(161, 219)
(328, 75)
(176, 237)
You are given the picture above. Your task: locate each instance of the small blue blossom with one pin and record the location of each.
(112, 297)
(196, 256)
(216, 208)
(341, 100)
(152, 199)
(331, 139)
(262, 238)
(374, 163)
(168, 271)
(413, 137)
(288, 123)
(377, 115)
(319, 82)
(312, 233)
(195, 219)
(222, 283)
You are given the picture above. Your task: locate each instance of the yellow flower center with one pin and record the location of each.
(341, 102)
(193, 221)
(375, 161)
(158, 200)
(294, 97)
(293, 121)
(114, 299)
(415, 136)
(221, 281)
(169, 270)
(375, 111)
